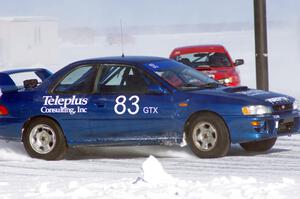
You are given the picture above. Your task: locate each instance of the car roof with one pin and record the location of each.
(198, 48)
(126, 59)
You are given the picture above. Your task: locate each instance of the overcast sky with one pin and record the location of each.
(105, 13)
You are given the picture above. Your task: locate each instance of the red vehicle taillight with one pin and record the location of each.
(3, 110)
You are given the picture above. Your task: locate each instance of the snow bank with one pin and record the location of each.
(154, 173)
(12, 151)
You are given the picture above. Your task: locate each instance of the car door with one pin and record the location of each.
(124, 108)
(68, 102)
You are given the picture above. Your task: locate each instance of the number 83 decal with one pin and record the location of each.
(120, 107)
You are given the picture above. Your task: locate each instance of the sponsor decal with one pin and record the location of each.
(71, 105)
(153, 66)
(277, 100)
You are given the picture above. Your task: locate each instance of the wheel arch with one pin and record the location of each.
(25, 125)
(203, 112)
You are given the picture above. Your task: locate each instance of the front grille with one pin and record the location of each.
(283, 107)
(286, 125)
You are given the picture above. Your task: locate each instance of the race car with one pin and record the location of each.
(136, 100)
(214, 60)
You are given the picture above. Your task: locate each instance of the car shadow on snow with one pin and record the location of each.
(15, 151)
(237, 150)
(80, 153)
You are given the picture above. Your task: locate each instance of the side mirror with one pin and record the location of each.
(238, 62)
(30, 83)
(157, 89)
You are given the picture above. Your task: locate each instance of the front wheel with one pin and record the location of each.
(259, 146)
(208, 136)
(44, 139)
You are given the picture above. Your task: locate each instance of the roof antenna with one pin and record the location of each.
(122, 41)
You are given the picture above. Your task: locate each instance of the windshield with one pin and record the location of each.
(204, 59)
(181, 76)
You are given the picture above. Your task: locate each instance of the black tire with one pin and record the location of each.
(217, 134)
(259, 146)
(44, 139)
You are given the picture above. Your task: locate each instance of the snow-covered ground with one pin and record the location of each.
(167, 172)
(128, 172)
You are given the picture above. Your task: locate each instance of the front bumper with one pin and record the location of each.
(270, 126)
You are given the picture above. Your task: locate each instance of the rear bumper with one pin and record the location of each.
(11, 128)
(271, 126)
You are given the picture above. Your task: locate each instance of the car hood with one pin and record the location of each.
(245, 96)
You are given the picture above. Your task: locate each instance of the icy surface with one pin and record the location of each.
(152, 172)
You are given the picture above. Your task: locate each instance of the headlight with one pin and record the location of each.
(226, 80)
(295, 105)
(256, 110)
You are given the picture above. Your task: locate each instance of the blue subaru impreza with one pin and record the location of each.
(138, 101)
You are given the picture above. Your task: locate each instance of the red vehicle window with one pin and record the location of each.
(204, 59)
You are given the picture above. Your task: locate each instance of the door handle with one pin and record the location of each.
(100, 104)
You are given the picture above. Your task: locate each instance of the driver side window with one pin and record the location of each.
(123, 79)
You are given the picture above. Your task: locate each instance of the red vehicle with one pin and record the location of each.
(214, 60)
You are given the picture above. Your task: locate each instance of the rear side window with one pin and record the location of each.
(18, 78)
(80, 80)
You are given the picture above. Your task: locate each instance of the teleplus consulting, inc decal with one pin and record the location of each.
(71, 105)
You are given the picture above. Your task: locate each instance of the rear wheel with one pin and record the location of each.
(259, 146)
(208, 136)
(44, 139)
